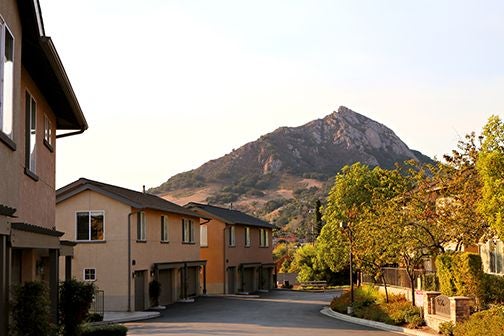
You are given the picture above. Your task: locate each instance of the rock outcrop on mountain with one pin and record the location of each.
(283, 164)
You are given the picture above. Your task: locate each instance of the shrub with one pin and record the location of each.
(104, 330)
(430, 282)
(493, 289)
(363, 296)
(446, 328)
(460, 274)
(30, 311)
(75, 300)
(154, 292)
(94, 317)
(488, 322)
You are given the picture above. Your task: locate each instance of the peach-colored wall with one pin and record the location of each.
(110, 258)
(214, 255)
(219, 253)
(12, 162)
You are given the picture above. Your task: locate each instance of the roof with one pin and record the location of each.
(228, 216)
(130, 197)
(42, 62)
(36, 229)
(6, 211)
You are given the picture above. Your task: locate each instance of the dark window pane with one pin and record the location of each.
(82, 226)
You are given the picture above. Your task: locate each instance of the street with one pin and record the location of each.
(276, 313)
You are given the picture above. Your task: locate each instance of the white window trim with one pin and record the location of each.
(497, 244)
(31, 157)
(189, 230)
(48, 133)
(4, 28)
(263, 238)
(165, 228)
(84, 274)
(247, 236)
(142, 222)
(89, 226)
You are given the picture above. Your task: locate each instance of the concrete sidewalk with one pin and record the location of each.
(121, 317)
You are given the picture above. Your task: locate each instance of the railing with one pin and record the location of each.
(98, 303)
(399, 277)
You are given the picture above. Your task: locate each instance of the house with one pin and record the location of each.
(37, 106)
(125, 239)
(238, 250)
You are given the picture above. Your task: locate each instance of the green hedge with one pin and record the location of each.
(488, 323)
(104, 330)
(493, 289)
(460, 273)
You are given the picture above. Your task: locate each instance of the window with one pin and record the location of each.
(232, 236)
(247, 236)
(187, 231)
(6, 80)
(496, 256)
(90, 225)
(48, 133)
(89, 274)
(264, 238)
(204, 235)
(141, 226)
(31, 130)
(164, 229)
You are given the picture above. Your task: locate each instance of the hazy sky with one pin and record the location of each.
(168, 85)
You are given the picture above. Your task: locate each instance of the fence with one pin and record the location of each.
(98, 304)
(399, 277)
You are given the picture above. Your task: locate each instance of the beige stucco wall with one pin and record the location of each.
(110, 258)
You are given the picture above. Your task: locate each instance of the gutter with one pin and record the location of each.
(64, 135)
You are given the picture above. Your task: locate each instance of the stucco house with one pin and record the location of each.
(125, 239)
(37, 106)
(238, 250)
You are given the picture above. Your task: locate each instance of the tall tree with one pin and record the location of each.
(490, 166)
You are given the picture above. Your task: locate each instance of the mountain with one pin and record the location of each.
(289, 163)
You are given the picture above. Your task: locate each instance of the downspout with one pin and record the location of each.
(225, 263)
(129, 258)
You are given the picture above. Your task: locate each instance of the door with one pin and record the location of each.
(165, 279)
(231, 280)
(139, 290)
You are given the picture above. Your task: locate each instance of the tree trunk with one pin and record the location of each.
(385, 287)
(412, 284)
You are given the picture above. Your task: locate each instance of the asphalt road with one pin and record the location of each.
(275, 313)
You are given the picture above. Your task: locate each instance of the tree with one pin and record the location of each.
(490, 166)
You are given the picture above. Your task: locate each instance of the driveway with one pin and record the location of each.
(276, 313)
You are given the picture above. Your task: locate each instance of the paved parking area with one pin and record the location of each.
(276, 313)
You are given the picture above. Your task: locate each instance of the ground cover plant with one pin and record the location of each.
(371, 305)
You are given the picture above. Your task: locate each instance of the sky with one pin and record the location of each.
(167, 85)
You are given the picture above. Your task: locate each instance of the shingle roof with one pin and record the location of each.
(228, 216)
(133, 198)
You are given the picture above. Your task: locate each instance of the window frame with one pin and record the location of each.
(31, 135)
(48, 133)
(247, 236)
(141, 227)
(89, 212)
(165, 229)
(187, 231)
(89, 269)
(7, 138)
(263, 238)
(495, 256)
(204, 235)
(232, 236)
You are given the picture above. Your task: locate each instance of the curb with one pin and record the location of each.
(373, 324)
(145, 316)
